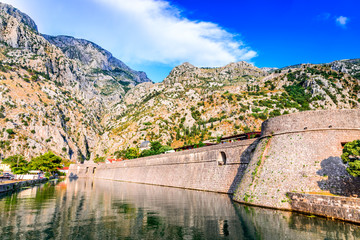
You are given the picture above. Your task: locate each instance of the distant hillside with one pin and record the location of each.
(194, 104)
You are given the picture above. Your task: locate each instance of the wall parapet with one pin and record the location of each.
(198, 155)
(343, 119)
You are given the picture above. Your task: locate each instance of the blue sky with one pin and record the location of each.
(156, 35)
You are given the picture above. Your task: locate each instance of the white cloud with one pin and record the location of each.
(342, 21)
(155, 31)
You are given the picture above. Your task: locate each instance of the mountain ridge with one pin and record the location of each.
(73, 97)
(85, 50)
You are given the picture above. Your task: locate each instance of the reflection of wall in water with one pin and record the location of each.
(188, 206)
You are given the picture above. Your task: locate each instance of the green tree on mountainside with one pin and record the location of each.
(155, 149)
(99, 159)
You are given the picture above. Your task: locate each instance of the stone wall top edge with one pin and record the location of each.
(175, 157)
(203, 149)
(308, 130)
(321, 119)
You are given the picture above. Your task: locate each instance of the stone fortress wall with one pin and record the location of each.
(300, 153)
(296, 153)
(217, 168)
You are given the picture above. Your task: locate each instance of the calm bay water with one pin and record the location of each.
(100, 209)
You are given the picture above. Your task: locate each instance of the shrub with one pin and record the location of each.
(351, 156)
(10, 131)
(99, 159)
(147, 153)
(274, 113)
(132, 153)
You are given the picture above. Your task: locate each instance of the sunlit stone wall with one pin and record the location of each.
(300, 153)
(216, 168)
(328, 206)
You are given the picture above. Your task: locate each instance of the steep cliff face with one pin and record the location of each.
(19, 16)
(93, 57)
(53, 98)
(350, 66)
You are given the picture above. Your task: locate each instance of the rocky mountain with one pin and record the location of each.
(51, 99)
(195, 104)
(349, 66)
(73, 97)
(95, 58)
(19, 16)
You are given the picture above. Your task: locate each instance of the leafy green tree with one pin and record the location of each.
(155, 149)
(147, 152)
(21, 167)
(18, 164)
(12, 159)
(132, 153)
(155, 146)
(165, 148)
(351, 156)
(199, 145)
(47, 162)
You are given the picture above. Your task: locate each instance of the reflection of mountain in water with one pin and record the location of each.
(86, 209)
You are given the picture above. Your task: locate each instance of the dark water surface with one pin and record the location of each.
(100, 209)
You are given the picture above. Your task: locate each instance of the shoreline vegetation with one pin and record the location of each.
(155, 148)
(48, 163)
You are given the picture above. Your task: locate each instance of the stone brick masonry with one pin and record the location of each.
(201, 169)
(343, 208)
(300, 153)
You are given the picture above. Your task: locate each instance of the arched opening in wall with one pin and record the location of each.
(94, 170)
(343, 144)
(87, 170)
(221, 158)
